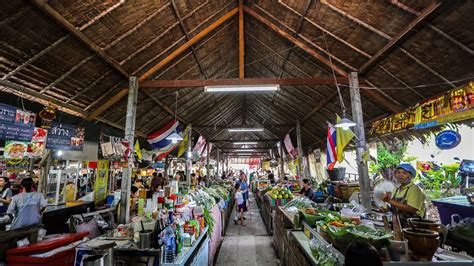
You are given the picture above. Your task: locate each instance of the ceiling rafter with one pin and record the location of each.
(159, 37)
(165, 61)
(296, 33)
(90, 86)
(50, 11)
(384, 35)
(138, 26)
(433, 27)
(175, 10)
(377, 95)
(360, 51)
(400, 37)
(65, 75)
(35, 57)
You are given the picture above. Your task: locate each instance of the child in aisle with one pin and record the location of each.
(239, 198)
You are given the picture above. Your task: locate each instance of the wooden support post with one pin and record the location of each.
(241, 40)
(129, 136)
(207, 163)
(217, 163)
(301, 173)
(45, 164)
(189, 161)
(282, 163)
(362, 152)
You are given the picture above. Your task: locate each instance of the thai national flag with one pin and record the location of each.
(160, 144)
(331, 147)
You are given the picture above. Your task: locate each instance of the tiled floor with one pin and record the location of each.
(247, 245)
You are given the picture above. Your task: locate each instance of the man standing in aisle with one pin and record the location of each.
(245, 193)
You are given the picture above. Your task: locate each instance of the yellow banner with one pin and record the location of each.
(455, 105)
(101, 180)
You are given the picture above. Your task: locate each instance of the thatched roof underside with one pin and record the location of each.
(39, 54)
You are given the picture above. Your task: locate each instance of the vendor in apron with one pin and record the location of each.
(408, 200)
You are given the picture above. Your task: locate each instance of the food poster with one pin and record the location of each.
(38, 143)
(16, 124)
(65, 137)
(101, 181)
(15, 150)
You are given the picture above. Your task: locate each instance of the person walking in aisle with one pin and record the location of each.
(239, 199)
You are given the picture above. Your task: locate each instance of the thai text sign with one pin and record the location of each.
(454, 105)
(65, 137)
(16, 124)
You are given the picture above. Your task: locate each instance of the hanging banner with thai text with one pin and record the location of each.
(454, 105)
(16, 124)
(65, 137)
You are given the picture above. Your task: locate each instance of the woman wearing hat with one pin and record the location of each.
(408, 200)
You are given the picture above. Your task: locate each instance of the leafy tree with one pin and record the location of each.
(389, 155)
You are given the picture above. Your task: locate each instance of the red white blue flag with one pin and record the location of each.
(331, 147)
(162, 146)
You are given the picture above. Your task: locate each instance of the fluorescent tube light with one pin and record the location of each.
(246, 143)
(242, 88)
(245, 150)
(245, 129)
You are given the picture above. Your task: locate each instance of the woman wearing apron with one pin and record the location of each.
(408, 200)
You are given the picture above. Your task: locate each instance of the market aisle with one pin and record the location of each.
(247, 245)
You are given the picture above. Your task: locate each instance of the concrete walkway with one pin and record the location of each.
(247, 245)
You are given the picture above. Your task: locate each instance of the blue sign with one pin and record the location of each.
(448, 139)
(425, 125)
(65, 137)
(16, 124)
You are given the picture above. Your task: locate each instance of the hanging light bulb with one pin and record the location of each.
(175, 137)
(345, 123)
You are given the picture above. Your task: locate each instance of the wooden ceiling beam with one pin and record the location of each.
(244, 126)
(296, 33)
(65, 75)
(356, 49)
(241, 41)
(433, 27)
(165, 61)
(375, 94)
(400, 37)
(90, 86)
(246, 140)
(325, 80)
(295, 41)
(35, 57)
(183, 28)
(382, 34)
(188, 44)
(50, 11)
(35, 96)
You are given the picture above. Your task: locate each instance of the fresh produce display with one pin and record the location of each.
(299, 203)
(324, 255)
(203, 199)
(209, 221)
(262, 184)
(345, 233)
(219, 192)
(280, 193)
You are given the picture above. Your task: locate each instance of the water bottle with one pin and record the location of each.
(170, 249)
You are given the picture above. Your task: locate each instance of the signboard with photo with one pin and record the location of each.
(65, 137)
(16, 124)
(38, 142)
(15, 149)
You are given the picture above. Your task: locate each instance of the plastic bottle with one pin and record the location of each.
(170, 249)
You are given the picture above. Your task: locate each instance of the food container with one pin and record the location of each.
(422, 242)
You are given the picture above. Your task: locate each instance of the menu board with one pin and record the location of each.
(65, 137)
(38, 142)
(16, 124)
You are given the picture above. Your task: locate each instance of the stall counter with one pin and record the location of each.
(55, 217)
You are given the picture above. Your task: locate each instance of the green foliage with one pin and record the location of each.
(442, 182)
(390, 156)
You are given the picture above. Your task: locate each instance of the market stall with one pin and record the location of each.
(306, 233)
